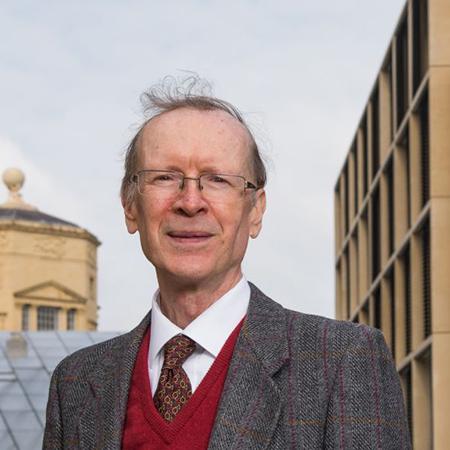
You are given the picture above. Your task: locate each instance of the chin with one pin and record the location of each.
(192, 271)
(188, 269)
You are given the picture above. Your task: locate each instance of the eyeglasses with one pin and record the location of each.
(214, 186)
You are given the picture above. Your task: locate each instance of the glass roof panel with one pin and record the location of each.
(43, 337)
(4, 336)
(75, 338)
(51, 363)
(29, 440)
(10, 387)
(6, 441)
(4, 364)
(25, 379)
(39, 401)
(22, 420)
(29, 361)
(41, 415)
(2, 424)
(74, 348)
(14, 402)
(100, 336)
(32, 374)
(56, 352)
(36, 387)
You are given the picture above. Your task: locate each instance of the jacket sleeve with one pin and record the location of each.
(366, 409)
(53, 436)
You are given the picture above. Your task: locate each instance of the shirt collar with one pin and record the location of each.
(210, 329)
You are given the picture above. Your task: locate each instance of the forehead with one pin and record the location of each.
(188, 135)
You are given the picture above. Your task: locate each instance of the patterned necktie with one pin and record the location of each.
(174, 388)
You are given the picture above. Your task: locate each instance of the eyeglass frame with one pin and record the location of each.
(247, 184)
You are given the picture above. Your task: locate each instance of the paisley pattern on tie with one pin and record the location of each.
(174, 388)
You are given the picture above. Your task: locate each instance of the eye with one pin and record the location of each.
(213, 178)
(162, 179)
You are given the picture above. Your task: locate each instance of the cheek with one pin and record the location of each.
(236, 232)
(150, 219)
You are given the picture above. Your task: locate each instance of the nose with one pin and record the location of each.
(190, 201)
(197, 180)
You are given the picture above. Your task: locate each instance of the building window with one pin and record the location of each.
(347, 283)
(402, 71)
(47, 318)
(387, 71)
(365, 149)
(375, 242)
(425, 149)
(92, 288)
(426, 273)
(346, 198)
(391, 279)
(375, 133)
(407, 299)
(355, 178)
(25, 317)
(420, 40)
(71, 313)
(377, 309)
(390, 202)
(405, 150)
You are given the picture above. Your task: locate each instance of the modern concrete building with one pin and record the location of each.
(392, 212)
(48, 268)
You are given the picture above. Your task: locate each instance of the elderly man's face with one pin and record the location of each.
(185, 235)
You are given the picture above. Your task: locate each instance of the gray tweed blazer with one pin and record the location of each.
(295, 381)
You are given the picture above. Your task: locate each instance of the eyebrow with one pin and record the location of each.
(205, 169)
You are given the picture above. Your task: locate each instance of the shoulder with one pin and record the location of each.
(310, 329)
(323, 336)
(80, 364)
(329, 350)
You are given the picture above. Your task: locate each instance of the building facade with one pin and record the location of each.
(48, 268)
(392, 216)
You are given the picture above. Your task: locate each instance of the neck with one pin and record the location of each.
(182, 304)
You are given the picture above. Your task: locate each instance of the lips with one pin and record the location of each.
(189, 238)
(189, 234)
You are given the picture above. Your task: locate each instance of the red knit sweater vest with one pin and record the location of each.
(145, 429)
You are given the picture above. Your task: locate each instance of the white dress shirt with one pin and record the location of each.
(209, 330)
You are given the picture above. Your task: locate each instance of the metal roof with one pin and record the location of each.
(32, 216)
(27, 360)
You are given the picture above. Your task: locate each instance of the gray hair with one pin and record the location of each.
(170, 94)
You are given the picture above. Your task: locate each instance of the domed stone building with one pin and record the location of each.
(48, 268)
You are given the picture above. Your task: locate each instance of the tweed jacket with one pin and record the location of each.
(295, 381)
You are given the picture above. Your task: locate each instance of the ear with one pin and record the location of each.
(257, 213)
(130, 211)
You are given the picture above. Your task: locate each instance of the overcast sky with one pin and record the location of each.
(71, 73)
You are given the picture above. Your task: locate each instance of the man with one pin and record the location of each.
(217, 364)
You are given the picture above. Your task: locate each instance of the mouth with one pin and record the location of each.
(189, 237)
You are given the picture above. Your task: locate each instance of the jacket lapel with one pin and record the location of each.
(251, 402)
(101, 423)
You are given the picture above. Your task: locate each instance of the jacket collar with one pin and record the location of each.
(250, 405)
(110, 382)
(266, 331)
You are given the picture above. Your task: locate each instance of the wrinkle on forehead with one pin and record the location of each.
(171, 129)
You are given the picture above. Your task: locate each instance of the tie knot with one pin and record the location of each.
(177, 350)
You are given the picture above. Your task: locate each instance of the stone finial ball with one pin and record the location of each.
(14, 179)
